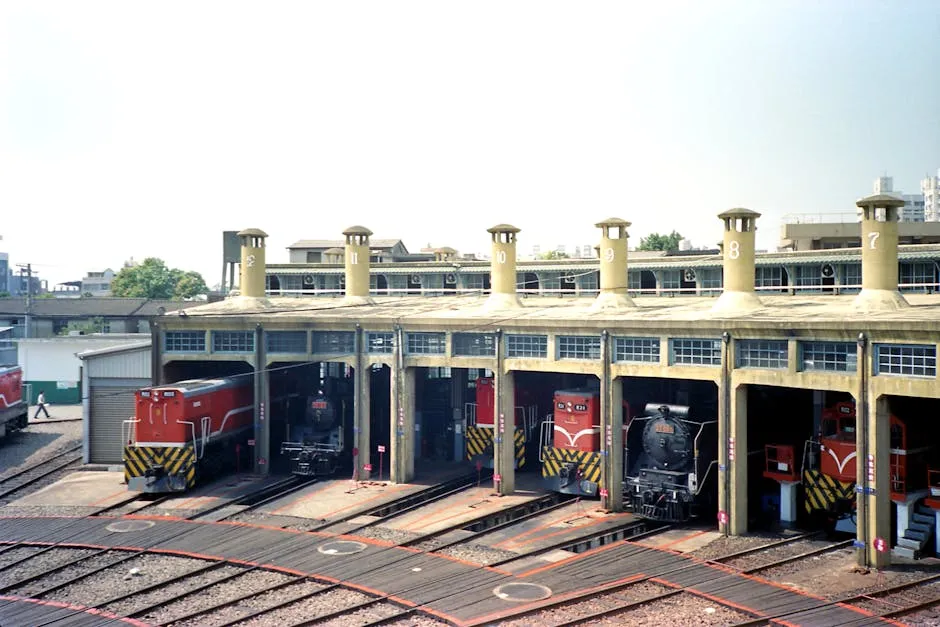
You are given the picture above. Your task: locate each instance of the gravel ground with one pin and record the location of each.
(777, 553)
(908, 596)
(682, 610)
(364, 616)
(38, 443)
(254, 580)
(287, 522)
(326, 603)
(113, 581)
(927, 618)
(478, 554)
(29, 511)
(34, 588)
(636, 592)
(11, 555)
(389, 535)
(43, 562)
(171, 591)
(726, 545)
(251, 605)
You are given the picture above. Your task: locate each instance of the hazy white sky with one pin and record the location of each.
(146, 129)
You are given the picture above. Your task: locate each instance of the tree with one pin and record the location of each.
(655, 241)
(153, 279)
(553, 254)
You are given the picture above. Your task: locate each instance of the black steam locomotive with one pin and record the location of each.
(317, 441)
(669, 458)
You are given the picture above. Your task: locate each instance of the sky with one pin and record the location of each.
(132, 129)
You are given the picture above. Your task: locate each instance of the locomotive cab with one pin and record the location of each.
(317, 442)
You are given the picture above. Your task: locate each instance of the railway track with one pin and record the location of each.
(16, 482)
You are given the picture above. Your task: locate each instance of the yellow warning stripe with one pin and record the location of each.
(822, 491)
(175, 460)
(588, 462)
(479, 442)
(520, 448)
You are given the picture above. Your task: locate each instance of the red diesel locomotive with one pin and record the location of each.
(186, 429)
(570, 449)
(479, 418)
(14, 409)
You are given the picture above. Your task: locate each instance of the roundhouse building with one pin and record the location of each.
(765, 365)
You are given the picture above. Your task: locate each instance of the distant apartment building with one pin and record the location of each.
(98, 283)
(914, 206)
(930, 189)
(4, 272)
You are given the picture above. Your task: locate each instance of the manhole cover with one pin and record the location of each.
(123, 526)
(522, 592)
(341, 547)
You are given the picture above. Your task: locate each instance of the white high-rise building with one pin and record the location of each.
(913, 209)
(930, 189)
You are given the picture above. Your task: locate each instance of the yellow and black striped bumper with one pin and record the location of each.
(159, 469)
(823, 492)
(480, 445)
(575, 472)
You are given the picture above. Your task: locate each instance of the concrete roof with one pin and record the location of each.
(782, 311)
(881, 200)
(252, 233)
(111, 350)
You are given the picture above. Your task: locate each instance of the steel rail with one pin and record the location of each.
(63, 464)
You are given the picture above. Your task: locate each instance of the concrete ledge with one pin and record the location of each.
(879, 300)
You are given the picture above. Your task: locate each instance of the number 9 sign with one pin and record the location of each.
(609, 254)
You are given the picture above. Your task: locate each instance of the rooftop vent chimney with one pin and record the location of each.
(880, 254)
(613, 264)
(503, 268)
(252, 263)
(738, 255)
(357, 264)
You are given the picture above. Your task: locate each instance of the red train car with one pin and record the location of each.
(479, 417)
(14, 409)
(182, 429)
(577, 420)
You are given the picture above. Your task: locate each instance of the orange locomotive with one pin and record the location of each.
(186, 429)
(829, 466)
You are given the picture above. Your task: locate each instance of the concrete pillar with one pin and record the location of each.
(875, 480)
(611, 437)
(402, 416)
(613, 265)
(504, 424)
(458, 393)
(362, 409)
(156, 355)
(262, 451)
(879, 254)
(732, 449)
(503, 268)
(357, 264)
(252, 264)
(788, 508)
(738, 261)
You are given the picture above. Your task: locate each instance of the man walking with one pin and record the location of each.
(41, 405)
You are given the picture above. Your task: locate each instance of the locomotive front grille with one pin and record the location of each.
(148, 468)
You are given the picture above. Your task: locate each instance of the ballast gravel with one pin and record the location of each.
(395, 536)
(42, 562)
(363, 616)
(12, 555)
(251, 605)
(598, 603)
(478, 554)
(255, 580)
(777, 553)
(727, 545)
(417, 620)
(40, 442)
(112, 582)
(69, 572)
(171, 591)
(330, 601)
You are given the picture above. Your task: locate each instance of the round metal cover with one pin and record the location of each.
(123, 526)
(522, 592)
(341, 547)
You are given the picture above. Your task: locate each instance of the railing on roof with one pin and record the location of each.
(928, 288)
(820, 218)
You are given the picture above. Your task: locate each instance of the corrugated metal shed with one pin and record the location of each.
(111, 376)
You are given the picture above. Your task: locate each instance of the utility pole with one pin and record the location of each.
(29, 293)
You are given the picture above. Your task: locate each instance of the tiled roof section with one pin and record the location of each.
(88, 307)
(338, 243)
